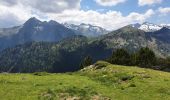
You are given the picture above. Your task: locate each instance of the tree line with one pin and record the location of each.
(144, 57)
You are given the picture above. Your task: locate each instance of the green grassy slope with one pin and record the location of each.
(103, 81)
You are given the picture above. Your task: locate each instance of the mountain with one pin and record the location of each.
(43, 56)
(126, 37)
(147, 27)
(165, 25)
(66, 55)
(62, 56)
(162, 34)
(150, 27)
(34, 30)
(133, 39)
(159, 36)
(87, 29)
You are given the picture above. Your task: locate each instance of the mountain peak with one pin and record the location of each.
(136, 25)
(32, 20)
(164, 29)
(129, 28)
(147, 26)
(52, 22)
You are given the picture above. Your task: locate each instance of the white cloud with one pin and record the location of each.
(15, 12)
(52, 6)
(109, 2)
(136, 17)
(164, 11)
(148, 2)
(15, 15)
(9, 2)
(110, 20)
(18, 13)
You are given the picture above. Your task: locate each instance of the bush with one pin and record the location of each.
(101, 64)
(126, 77)
(40, 73)
(132, 85)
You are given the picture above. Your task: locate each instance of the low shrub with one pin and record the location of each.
(40, 73)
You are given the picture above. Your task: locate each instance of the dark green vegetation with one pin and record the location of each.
(101, 81)
(51, 57)
(143, 58)
(43, 56)
(87, 61)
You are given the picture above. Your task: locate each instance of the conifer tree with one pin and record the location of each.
(146, 57)
(86, 62)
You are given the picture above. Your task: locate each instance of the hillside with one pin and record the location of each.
(52, 56)
(44, 56)
(101, 81)
(133, 39)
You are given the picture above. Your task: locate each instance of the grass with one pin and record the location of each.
(102, 81)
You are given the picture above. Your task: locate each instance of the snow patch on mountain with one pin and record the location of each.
(150, 27)
(87, 29)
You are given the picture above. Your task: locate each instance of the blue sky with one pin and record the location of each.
(128, 7)
(109, 14)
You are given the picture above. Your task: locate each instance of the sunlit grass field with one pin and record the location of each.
(102, 81)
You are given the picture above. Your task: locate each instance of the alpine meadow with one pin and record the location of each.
(84, 50)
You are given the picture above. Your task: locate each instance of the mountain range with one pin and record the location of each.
(52, 31)
(87, 29)
(53, 47)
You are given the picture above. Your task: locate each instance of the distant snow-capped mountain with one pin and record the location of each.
(150, 27)
(165, 25)
(87, 29)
